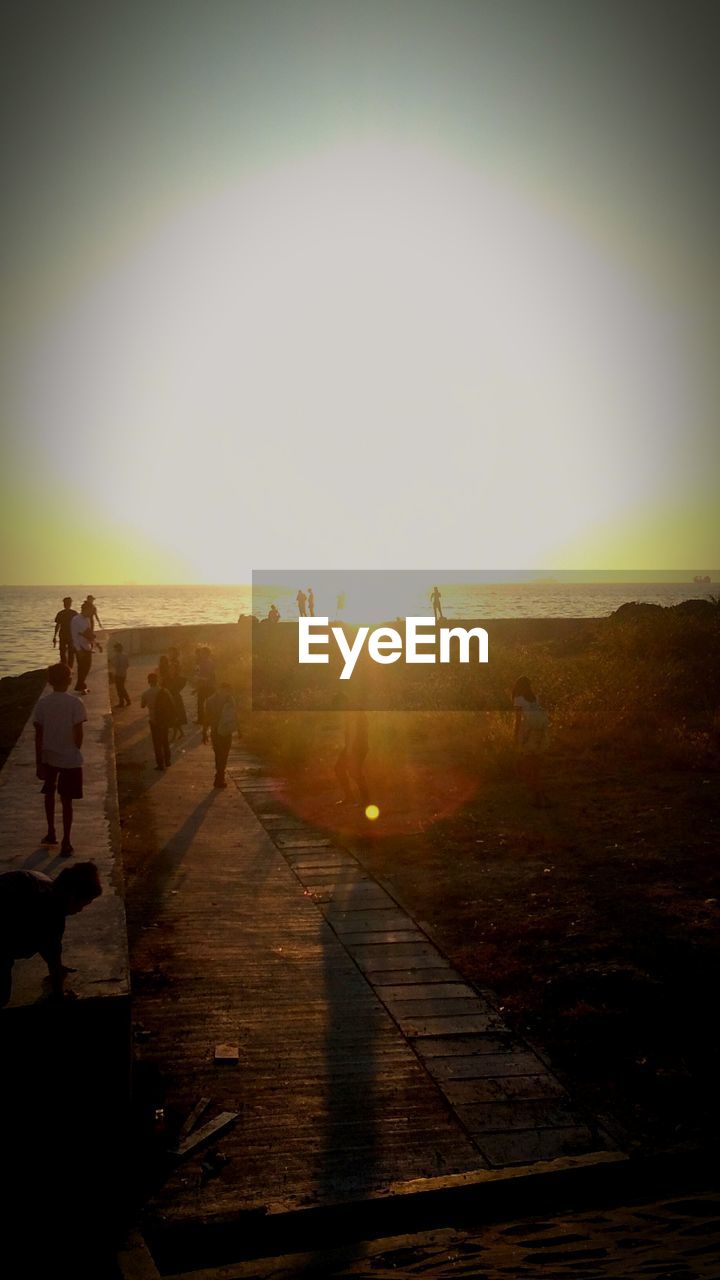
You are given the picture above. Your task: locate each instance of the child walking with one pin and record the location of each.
(530, 737)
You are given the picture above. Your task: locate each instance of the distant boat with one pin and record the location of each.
(699, 578)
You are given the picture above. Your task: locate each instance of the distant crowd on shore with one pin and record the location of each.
(305, 601)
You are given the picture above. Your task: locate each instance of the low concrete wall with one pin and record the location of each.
(136, 640)
(67, 1066)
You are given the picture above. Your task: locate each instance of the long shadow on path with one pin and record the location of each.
(151, 884)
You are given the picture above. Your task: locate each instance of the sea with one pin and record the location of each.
(27, 614)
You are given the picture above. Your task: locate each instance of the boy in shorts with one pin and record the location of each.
(58, 719)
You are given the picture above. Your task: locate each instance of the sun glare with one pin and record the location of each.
(374, 295)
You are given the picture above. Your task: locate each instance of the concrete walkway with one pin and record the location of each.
(367, 1066)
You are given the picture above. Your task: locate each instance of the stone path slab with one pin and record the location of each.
(457, 1034)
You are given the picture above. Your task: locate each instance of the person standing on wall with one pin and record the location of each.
(92, 612)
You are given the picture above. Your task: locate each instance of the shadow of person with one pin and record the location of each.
(347, 1165)
(151, 885)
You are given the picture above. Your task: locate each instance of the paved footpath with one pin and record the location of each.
(366, 1063)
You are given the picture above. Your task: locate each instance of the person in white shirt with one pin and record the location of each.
(58, 719)
(82, 640)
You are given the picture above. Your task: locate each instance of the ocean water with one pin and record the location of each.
(27, 614)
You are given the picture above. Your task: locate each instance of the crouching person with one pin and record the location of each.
(33, 910)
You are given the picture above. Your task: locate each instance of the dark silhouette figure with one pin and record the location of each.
(92, 612)
(58, 719)
(33, 909)
(161, 715)
(301, 603)
(63, 631)
(273, 613)
(349, 764)
(311, 602)
(204, 678)
(175, 682)
(119, 664)
(436, 602)
(530, 736)
(221, 720)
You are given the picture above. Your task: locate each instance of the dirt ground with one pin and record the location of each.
(594, 920)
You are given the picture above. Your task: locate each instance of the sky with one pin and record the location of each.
(396, 284)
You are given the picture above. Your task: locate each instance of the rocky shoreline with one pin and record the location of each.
(18, 695)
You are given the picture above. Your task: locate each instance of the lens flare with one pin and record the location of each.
(372, 812)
